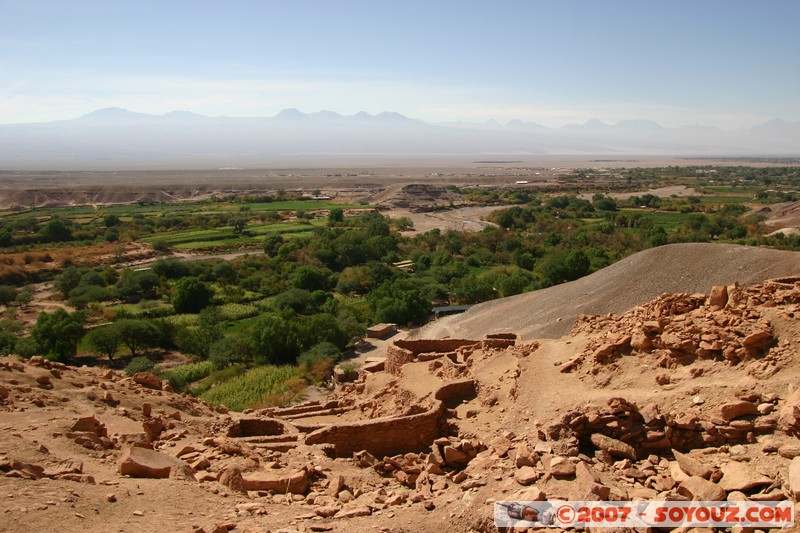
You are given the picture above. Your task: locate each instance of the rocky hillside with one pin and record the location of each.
(674, 268)
(689, 395)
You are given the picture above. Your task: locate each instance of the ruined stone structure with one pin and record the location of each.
(402, 352)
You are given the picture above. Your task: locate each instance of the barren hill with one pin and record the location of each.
(676, 268)
(784, 216)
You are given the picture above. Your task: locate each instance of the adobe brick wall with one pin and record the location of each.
(384, 436)
(402, 352)
(254, 427)
(456, 391)
(500, 340)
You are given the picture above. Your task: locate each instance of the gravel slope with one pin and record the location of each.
(675, 268)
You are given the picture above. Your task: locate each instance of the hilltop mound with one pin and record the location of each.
(676, 268)
(784, 216)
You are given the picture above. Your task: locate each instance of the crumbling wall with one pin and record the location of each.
(383, 436)
(455, 392)
(402, 352)
(255, 427)
(499, 340)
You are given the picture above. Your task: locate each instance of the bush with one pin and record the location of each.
(8, 294)
(139, 364)
(317, 363)
(27, 347)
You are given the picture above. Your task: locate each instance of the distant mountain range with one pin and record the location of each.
(115, 137)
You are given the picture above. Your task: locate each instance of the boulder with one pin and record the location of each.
(794, 478)
(232, 478)
(526, 475)
(789, 414)
(691, 466)
(327, 511)
(734, 410)
(739, 476)
(89, 424)
(587, 484)
(641, 342)
(616, 448)
(147, 379)
(501, 446)
(531, 494)
(789, 450)
(354, 511)
(701, 489)
(141, 462)
(455, 457)
(757, 339)
(296, 481)
(335, 485)
(719, 296)
(153, 427)
(561, 467)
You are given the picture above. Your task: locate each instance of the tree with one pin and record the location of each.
(58, 333)
(239, 223)
(191, 295)
(323, 328)
(56, 230)
(105, 340)
(68, 280)
(111, 220)
(136, 333)
(276, 340)
(272, 243)
(112, 234)
(312, 278)
(336, 215)
(136, 285)
(400, 301)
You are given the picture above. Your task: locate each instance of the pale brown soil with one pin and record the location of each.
(782, 218)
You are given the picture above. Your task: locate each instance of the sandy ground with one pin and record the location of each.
(460, 219)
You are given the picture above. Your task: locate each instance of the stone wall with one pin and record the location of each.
(254, 427)
(455, 392)
(402, 352)
(383, 436)
(500, 340)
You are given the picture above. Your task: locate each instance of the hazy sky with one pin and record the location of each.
(725, 63)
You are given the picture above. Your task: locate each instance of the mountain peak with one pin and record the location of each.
(290, 113)
(111, 113)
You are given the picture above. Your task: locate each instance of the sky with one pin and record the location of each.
(723, 63)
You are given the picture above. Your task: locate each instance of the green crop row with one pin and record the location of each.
(182, 375)
(257, 386)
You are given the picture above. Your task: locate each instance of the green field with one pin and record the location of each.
(668, 220)
(224, 236)
(191, 208)
(726, 199)
(254, 387)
